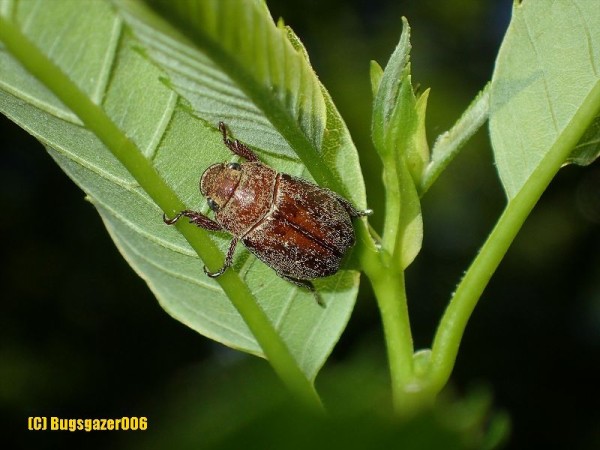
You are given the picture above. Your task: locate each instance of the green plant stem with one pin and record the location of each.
(388, 284)
(96, 120)
(391, 298)
(453, 323)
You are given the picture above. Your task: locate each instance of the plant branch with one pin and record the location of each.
(388, 284)
(452, 326)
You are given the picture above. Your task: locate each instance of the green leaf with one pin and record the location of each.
(92, 45)
(385, 102)
(547, 67)
(398, 129)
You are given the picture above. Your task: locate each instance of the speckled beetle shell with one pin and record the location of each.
(297, 228)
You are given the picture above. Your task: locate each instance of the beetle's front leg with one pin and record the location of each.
(236, 146)
(202, 221)
(228, 260)
(196, 218)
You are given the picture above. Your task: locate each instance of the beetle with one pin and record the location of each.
(297, 228)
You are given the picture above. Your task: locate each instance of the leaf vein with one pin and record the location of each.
(544, 75)
(116, 32)
(161, 126)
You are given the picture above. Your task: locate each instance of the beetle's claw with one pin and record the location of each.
(173, 220)
(214, 274)
(366, 212)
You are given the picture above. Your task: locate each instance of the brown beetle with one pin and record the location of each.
(297, 228)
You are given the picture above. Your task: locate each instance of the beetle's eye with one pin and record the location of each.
(234, 166)
(212, 204)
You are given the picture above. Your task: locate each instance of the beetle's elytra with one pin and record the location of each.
(297, 228)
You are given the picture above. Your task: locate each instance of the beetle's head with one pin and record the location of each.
(218, 183)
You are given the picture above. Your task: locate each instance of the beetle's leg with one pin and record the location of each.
(236, 146)
(228, 260)
(306, 285)
(352, 211)
(198, 219)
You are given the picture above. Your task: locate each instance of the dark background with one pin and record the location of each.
(81, 335)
